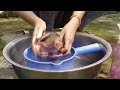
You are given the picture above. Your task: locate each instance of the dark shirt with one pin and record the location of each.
(57, 19)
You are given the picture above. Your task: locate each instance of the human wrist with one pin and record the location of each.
(77, 17)
(39, 22)
(75, 20)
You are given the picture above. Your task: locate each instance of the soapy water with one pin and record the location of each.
(81, 61)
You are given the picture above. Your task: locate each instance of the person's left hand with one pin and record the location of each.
(68, 33)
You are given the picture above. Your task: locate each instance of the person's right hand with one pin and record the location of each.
(39, 29)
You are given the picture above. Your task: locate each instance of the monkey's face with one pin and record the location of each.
(51, 45)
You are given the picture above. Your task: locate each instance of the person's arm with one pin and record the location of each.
(30, 17)
(79, 13)
(39, 27)
(77, 17)
(70, 29)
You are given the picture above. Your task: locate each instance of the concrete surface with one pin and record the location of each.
(6, 69)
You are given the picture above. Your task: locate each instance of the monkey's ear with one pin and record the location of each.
(58, 45)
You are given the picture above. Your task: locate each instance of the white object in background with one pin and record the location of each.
(118, 25)
(1, 12)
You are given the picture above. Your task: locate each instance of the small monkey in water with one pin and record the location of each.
(51, 45)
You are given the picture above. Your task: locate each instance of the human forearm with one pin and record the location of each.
(39, 28)
(80, 14)
(77, 17)
(30, 17)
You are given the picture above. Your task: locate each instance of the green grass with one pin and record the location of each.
(1, 46)
(14, 24)
(108, 31)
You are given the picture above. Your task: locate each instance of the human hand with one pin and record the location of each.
(40, 27)
(68, 33)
